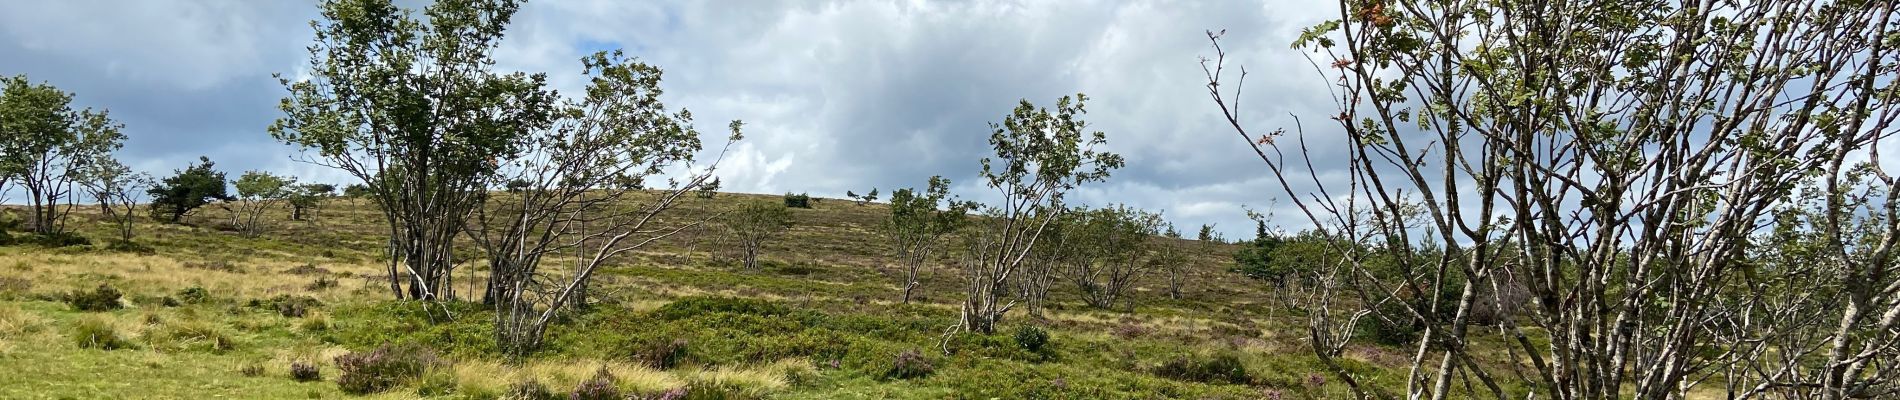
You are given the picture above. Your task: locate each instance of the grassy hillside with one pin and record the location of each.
(210, 313)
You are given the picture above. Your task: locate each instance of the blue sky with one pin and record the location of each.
(837, 96)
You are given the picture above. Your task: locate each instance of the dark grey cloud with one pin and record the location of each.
(838, 96)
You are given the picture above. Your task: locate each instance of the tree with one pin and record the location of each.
(800, 200)
(1039, 157)
(1171, 258)
(1256, 258)
(1616, 158)
(45, 146)
(306, 198)
(355, 191)
(919, 221)
(258, 191)
(708, 189)
(754, 223)
(186, 190)
(1114, 250)
(862, 199)
(582, 195)
(411, 107)
(115, 187)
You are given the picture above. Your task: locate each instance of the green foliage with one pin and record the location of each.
(383, 368)
(306, 197)
(102, 298)
(1220, 368)
(356, 191)
(53, 239)
(186, 190)
(529, 389)
(1032, 338)
(95, 333)
(128, 246)
(289, 306)
(708, 189)
(46, 145)
(753, 224)
(800, 200)
(194, 295)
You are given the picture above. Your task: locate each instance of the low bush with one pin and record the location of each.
(102, 298)
(909, 364)
(287, 305)
(55, 239)
(304, 372)
(529, 389)
(692, 306)
(189, 335)
(127, 246)
(1032, 338)
(660, 353)
(600, 387)
(1221, 368)
(800, 200)
(383, 368)
(193, 295)
(94, 333)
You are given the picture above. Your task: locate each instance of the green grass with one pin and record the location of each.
(819, 321)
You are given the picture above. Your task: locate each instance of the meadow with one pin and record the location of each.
(207, 312)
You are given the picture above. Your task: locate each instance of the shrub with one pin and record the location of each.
(55, 239)
(190, 336)
(304, 372)
(93, 333)
(194, 295)
(1222, 368)
(102, 298)
(128, 246)
(1397, 327)
(1032, 338)
(909, 364)
(287, 305)
(600, 387)
(322, 282)
(529, 389)
(251, 369)
(800, 200)
(691, 306)
(661, 353)
(381, 369)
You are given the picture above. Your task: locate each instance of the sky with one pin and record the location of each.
(837, 95)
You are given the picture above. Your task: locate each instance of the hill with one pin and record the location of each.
(212, 313)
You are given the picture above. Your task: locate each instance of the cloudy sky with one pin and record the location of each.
(837, 96)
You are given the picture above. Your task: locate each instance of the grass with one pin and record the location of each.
(819, 321)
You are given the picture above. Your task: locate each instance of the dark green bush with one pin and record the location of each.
(693, 306)
(800, 200)
(1221, 368)
(127, 246)
(600, 387)
(1392, 325)
(1032, 338)
(909, 364)
(55, 239)
(287, 305)
(304, 372)
(383, 368)
(102, 298)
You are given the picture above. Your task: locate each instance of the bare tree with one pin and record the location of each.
(919, 221)
(1039, 157)
(1615, 157)
(583, 195)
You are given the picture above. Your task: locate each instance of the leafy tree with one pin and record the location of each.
(412, 108)
(115, 187)
(306, 198)
(580, 196)
(355, 191)
(1039, 156)
(800, 200)
(708, 189)
(1113, 250)
(186, 190)
(1170, 257)
(258, 192)
(1618, 160)
(1256, 259)
(45, 147)
(919, 221)
(862, 199)
(754, 223)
